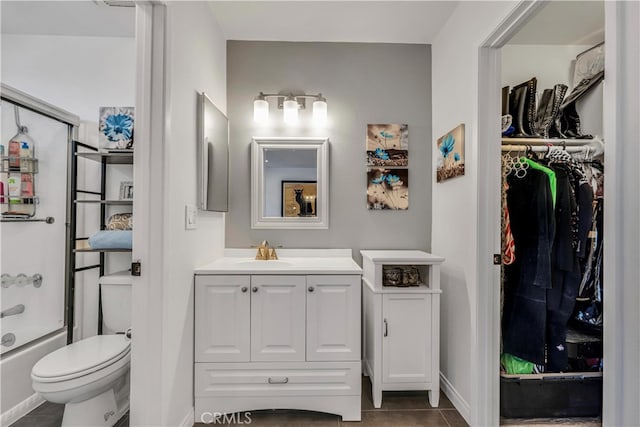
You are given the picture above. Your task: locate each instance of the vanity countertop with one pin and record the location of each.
(291, 261)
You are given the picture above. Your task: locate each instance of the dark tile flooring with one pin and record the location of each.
(50, 415)
(399, 409)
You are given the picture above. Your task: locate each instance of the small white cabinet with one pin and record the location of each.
(289, 339)
(401, 325)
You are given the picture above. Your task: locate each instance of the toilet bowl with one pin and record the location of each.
(90, 377)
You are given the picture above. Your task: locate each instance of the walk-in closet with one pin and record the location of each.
(552, 218)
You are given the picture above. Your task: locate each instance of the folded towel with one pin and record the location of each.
(118, 239)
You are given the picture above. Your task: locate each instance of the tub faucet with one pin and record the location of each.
(266, 252)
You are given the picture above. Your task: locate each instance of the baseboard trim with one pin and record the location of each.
(456, 398)
(189, 419)
(21, 409)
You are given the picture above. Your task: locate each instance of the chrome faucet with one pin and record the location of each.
(266, 252)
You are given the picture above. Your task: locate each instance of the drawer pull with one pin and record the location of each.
(310, 288)
(386, 328)
(278, 381)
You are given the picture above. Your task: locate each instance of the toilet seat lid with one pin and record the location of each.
(82, 356)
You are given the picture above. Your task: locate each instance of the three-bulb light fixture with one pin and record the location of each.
(290, 105)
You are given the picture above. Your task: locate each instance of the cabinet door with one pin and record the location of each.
(333, 318)
(406, 330)
(277, 318)
(222, 318)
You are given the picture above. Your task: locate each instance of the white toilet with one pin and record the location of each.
(91, 376)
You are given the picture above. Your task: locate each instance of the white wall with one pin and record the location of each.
(455, 202)
(78, 74)
(196, 63)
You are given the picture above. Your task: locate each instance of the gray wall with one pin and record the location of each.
(363, 83)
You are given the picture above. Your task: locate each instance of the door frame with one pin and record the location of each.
(147, 396)
(621, 390)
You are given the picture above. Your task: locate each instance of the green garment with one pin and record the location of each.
(515, 365)
(551, 174)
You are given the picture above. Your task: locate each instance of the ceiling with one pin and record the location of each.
(560, 22)
(333, 21)
(565, 23)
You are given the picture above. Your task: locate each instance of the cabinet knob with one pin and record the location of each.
(310, 288)
(244, 289)
(254, 289)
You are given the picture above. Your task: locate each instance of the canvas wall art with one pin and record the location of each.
(450, 154)
(116, 128)
(387, 189)
(388, 145)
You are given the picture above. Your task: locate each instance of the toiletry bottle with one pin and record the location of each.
(14, 188)
(26, 186)
(26, 157)
(14, 153)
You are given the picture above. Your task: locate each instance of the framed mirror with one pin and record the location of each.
(289, 183)
(213, 157)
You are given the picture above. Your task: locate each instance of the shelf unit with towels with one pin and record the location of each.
(105, 159)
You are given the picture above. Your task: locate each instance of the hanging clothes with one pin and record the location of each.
(550, 216)
(526, 280)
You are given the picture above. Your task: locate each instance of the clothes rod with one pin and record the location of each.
(540, 148)
(551, 141)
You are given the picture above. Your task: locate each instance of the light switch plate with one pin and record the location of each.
(190, 217)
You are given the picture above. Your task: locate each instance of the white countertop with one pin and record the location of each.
(291, 261)
(405, 256)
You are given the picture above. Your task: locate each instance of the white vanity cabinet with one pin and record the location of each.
(278, 338)
(401, 325)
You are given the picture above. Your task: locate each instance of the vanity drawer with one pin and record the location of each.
(277, 379)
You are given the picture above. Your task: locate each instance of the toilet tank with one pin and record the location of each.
(116, 302)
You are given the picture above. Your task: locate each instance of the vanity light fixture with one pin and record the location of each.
(290, 104)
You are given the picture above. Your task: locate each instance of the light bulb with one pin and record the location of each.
(260, 109)
(290, 108)
(320, 111)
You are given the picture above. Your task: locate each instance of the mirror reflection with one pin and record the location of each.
(290, 183)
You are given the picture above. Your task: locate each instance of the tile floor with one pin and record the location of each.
(399, 409)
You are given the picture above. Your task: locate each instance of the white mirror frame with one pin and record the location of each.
(258, 147)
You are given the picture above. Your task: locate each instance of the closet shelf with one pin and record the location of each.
(107, 202)
(552, 141)
(124, 158)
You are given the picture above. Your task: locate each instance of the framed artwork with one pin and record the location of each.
(126, 190)
(116, 128)
(388, 145)
(299, 198)
(387, 189)
(450, 161)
